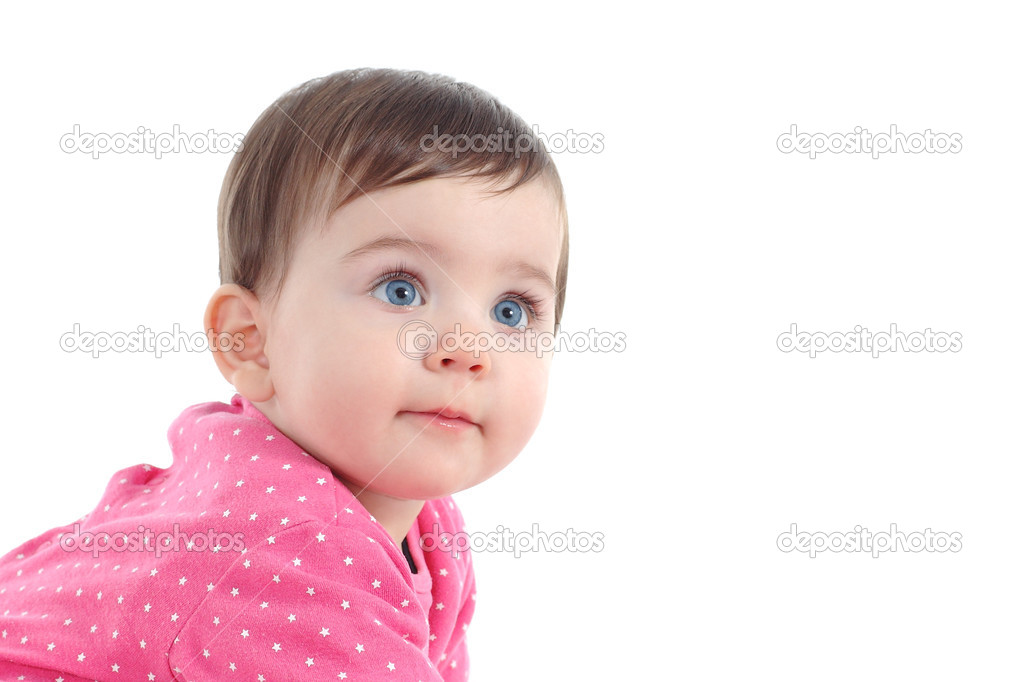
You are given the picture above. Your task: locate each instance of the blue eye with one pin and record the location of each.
(509, 312)
(398, 292)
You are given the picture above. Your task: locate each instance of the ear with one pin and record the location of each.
(236, 333)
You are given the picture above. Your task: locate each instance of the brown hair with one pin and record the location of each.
(324, 143)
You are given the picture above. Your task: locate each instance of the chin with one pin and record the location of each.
(428, 486)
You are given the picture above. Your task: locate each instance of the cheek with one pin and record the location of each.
(358, 373)
(333, 379)
(525, 395)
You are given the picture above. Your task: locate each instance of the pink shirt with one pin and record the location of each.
(299, 581)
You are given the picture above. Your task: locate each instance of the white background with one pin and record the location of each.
(691, 233)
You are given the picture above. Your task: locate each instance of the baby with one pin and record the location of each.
(382, 235)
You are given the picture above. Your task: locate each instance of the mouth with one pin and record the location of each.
(444, 418)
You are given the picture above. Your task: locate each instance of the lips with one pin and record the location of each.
(449, 414)
(444, 416)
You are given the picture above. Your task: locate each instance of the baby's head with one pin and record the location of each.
(366, 211)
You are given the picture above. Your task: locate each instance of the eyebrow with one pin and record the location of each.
(520, 268)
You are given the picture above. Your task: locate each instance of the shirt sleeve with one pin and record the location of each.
(454, 665)
(453, 662)
(314, 601)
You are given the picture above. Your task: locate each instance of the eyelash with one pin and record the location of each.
(403, 271)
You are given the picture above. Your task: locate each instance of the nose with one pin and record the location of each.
(460, 351)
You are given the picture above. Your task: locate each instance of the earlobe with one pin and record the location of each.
(235, 331)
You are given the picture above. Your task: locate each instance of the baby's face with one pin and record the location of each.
(343, 388)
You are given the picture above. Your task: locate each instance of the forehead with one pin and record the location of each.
(454, 218)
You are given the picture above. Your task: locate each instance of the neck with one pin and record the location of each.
(394, 514)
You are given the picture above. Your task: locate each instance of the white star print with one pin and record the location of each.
(183, 481)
